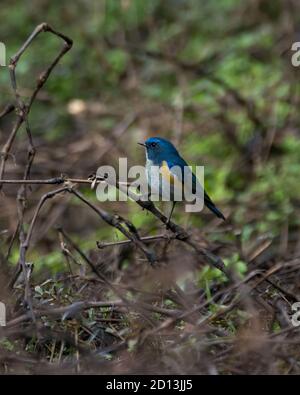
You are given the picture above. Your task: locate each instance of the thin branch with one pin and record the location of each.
(146, 239)
(22, 111)
(57, 181)
(178, 231)
(75, 308)
(7, 110)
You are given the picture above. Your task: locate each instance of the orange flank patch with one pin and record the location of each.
(167, 175)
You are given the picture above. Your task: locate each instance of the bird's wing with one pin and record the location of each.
(171, 173)
(176, 168)
(178, 171)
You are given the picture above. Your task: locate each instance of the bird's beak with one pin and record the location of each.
(144, 145)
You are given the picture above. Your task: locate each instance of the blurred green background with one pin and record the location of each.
(214, 76)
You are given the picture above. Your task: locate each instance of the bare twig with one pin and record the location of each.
(7, 110)
(23, 111)
(178, 231)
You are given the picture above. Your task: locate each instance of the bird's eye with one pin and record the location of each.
(153, 145)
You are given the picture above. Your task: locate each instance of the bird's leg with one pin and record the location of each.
(170, 215)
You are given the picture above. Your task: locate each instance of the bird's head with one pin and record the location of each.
(159, 149)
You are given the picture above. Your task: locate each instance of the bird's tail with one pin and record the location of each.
(209, 203)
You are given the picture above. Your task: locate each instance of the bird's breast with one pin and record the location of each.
(162, 181)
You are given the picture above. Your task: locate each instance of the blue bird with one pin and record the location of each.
(162, 154)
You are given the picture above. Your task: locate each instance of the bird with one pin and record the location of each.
(163, 155)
